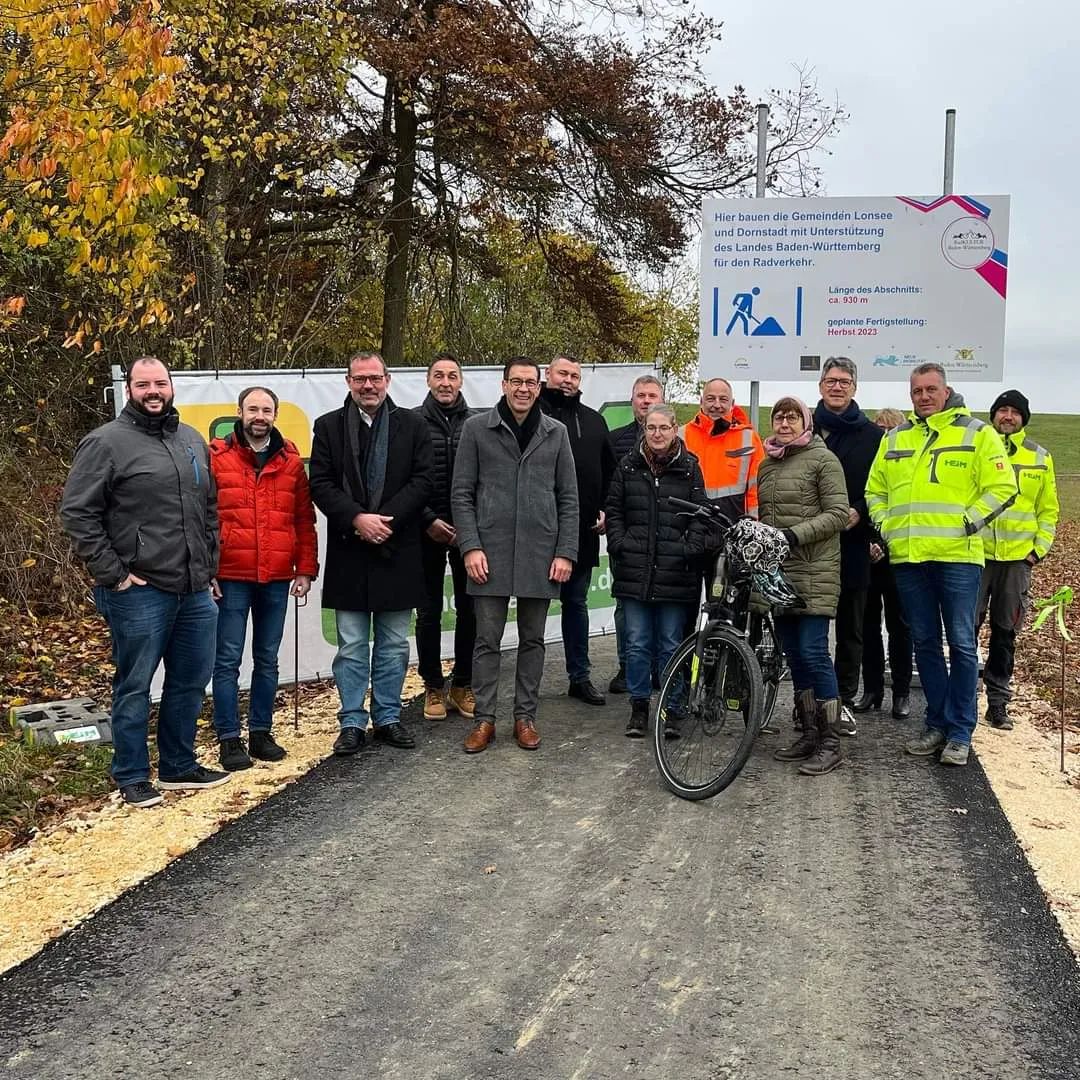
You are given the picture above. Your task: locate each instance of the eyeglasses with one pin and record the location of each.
(840, 384)
(658, 429)
(360, 380)
(517, 384)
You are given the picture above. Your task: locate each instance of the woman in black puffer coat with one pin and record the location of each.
(657, 552)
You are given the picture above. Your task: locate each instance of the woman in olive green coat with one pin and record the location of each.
(801, 490)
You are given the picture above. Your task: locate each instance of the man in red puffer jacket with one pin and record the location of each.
(268, 540)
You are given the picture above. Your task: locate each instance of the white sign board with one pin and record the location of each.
(207, 401)
(889, 282)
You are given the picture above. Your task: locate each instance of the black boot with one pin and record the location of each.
(806, 710)
(639, 718)
(261, 745)
(901, 706)
(232, 755)
(827, 756)
(618, 684)
(870, 700)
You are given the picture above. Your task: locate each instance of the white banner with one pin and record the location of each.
(890, 282)
(207, 401)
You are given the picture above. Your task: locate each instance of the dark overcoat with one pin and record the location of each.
(372, 577)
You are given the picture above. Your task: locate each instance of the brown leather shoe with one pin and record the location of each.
(483, 732)
(525, 733)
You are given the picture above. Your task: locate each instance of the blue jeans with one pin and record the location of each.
(267, 604)
(384, 664)
(933, 593)
(805, 639)
(149, 626)
(653, 632)
(574, 597)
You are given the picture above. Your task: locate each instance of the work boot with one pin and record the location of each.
(434, 704)
(461, 700)
(997, 715)
(232, 755)
(261, 745)
(827, 756)
(618, 684)
(806, 709)
(639, 718)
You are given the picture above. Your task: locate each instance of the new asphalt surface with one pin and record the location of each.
(557, 914)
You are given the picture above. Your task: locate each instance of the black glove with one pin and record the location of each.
(791, 538)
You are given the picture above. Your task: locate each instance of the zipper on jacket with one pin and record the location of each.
(194, 464)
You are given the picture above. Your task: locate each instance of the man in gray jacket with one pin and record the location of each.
(141, 510)
(515, 505)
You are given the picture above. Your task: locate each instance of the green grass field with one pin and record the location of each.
(1058, 432)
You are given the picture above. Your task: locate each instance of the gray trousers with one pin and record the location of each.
(1003, 592)
(490, 623)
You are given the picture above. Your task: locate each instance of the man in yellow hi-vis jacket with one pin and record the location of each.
(937, 481)
(1013, 544)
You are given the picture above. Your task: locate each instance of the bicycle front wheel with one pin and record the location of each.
(708, 714)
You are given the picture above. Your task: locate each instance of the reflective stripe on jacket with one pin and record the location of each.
(935, 483)
(729, 459)
(1029, 524)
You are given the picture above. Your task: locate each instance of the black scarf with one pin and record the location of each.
(371, 465)
(851, 418)
(527, 428)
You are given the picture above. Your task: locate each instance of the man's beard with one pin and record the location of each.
(252, 437)
(166, 403)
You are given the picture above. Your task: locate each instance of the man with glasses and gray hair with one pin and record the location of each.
(371, 475)
(854, 438)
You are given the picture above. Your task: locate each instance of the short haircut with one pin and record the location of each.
(450, 358)
(665, 411)
(927, 368)
(366, 354)
(248, 391)
(567, 357)
(717, 378)
(650, 380)
(145, 360)
(844, 364)
(520, 361)
(889, 418)
(789, 405)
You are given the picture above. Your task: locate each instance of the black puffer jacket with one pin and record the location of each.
(657, 553)
(624, 439)
(445, 426)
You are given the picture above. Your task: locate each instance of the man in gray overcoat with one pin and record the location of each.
(515, 506)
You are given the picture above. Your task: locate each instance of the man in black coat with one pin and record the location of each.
(444, 411)
(594, 463)
(853, 437)
(646, 392)
(370, 472)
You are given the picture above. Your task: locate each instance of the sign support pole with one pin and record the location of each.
(762, 135)
(950, 151)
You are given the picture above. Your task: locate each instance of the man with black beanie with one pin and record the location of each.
(1013, 542)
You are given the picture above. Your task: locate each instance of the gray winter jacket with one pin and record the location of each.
(141, 499)
(521, 509)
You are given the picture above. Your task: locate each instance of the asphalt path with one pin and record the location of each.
(557, 914)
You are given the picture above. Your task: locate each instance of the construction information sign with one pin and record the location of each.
(889, 282)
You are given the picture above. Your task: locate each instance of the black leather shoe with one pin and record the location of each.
(618, 684)
(349, 741)
(586, 692)
(867, 702)
(901, 707)
(395, 735)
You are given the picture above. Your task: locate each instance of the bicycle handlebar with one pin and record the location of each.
(700, 510)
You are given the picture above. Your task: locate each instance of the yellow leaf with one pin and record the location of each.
(27, 563)
(37, 238)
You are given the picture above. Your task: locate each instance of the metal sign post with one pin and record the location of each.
(762, 136)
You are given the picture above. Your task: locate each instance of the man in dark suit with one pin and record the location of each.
(371, 470)
(853, 437)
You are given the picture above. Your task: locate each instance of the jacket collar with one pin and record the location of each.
(431, 408)
(736, 419)
(236, 438)
(166, 423)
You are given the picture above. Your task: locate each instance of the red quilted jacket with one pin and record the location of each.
(267, 521)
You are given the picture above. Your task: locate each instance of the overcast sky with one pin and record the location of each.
(1011, 71)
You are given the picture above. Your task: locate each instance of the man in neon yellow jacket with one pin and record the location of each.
(1015, 541)
(938, 480)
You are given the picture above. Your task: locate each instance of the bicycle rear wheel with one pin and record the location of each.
(708, 714)
(770, 660)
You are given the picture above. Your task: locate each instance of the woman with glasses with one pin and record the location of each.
(801, 490)
(657, 553)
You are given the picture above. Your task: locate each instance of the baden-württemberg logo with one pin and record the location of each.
(968, 242)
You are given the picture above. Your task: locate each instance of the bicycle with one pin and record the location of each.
(719, 688)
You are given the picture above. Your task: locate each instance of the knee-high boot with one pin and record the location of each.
(827, 756)
(807, 708)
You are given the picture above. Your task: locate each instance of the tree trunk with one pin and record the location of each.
(212, 286)
(399, 228)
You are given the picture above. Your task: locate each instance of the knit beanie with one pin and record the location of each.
(1015, 399)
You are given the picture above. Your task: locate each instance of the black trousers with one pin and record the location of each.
(849, 641)
(429, 617)
(882, 594)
